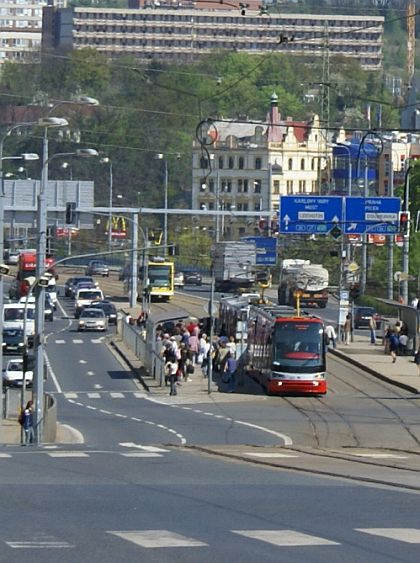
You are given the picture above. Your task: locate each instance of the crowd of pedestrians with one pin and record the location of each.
(187, 351)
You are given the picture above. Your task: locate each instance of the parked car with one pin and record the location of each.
(192, 278)
(97, 268)
(362, 316)
(13, 341)
(179, 279)
(92, 318)
(13, 373)
(11, 257)
(108, 308)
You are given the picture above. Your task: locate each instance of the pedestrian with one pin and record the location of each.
(386, 339)
(27, 421)
(402, 344)
(231, 346)
(417, 359)
(171, 369)
(372, 327)
(204, 353)
(393, 346)
(331, 336)
(193, 343)
(347, 329)
(229, 372)
(414, 302)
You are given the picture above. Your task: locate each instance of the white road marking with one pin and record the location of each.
(119, 415)
(60, 341)
(91, 408)
(70, 395)
(407, 535)
(140, 395)
(38, 544)
(52, 374)
(90, 373)
(158, 538)
(77, 436)
(284, 538)
(140, 454)
(98, 386)
(82, 362)
(94, 395)
(104, 411)
(77, 341)
(381, 456)
(153, 449)
(67, 454)
(5, 455)
(97, 340)
(268, 455)
(286, 439)
(116, 395)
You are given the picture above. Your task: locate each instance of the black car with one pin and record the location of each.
(48, 308)
(67, 287)
(192, 278)
(108, 308)
(13, 341)
(362, 316)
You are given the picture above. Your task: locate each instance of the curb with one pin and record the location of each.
(373, 372)
(136, 370)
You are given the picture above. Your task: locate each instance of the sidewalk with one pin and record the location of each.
(371, 358)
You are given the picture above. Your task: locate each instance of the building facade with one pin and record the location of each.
(174, 32)
(249, 165)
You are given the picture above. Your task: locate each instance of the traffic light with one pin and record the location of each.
(173, 250)
(70, 213)
(404, 223)
(355, 291)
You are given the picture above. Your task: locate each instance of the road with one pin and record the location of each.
(246, 477)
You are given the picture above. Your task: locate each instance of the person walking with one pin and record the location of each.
(372, 327)
(229, 372)
(331, 336)
(347, 329)
(171, 369)
(27, 418)
(393, 346)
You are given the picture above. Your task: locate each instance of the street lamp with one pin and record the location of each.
(23, 156)
(67, 165)
(161, 156)
(107, 160)
(38, 385)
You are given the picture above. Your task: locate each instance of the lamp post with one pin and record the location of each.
(161, 156)
(107, 160)
(406, 240)
(2, 196)
(38, 384)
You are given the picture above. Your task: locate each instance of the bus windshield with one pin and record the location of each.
(160, 276)
(298, 344)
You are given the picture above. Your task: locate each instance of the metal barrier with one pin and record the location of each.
(145, 347)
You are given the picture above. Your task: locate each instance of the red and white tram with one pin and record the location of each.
(285, 353)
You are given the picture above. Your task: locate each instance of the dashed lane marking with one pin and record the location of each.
(117, 395)
(140, 454)
(94, 395)
(407, 535)
(268, 455)
(67, 454)
(38, 544)
(158, 538)
(379, 456)
(61, 341)
(77, 341)
(284, 538)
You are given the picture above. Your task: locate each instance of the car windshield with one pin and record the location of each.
(18, 314)
(15, 367)
(82, 280)
(86, 294)
(92, 314)
(365, 312)
(11, 332)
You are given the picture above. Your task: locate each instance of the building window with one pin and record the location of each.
(231, 162)
(245, 186)
(204, 163)
(220, 161)
(302, 164)
(242, 231)
(313, 164)
(276, 186)
(258, 163)
(289, 186)
(211, 185)
(241, 163)
(257, 206)
(290, 163)
(257, 186)
(302, 186)
(240, 186)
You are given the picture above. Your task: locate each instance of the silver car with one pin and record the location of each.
(92, 319)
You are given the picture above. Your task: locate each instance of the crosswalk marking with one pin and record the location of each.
(140, 395)
(94, 395)
(140, 454)
(380, 456)
(97, 340)
(70, 395)
(38, 544)
(77, 341)
(284, 538)
(268, 455)
(112, 394)
(67, 454)
(158, 538)
(407, 535)
(152, 449)
(5, 455)
(117, 395)
(60, 341)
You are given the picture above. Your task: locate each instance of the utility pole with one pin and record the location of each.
(406, 241)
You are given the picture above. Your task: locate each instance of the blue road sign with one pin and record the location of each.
(266, 250)
(307, 215)
(373, 215)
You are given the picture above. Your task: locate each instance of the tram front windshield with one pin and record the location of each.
(160, 276)
(299, 345)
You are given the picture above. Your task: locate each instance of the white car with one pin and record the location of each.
(92, 318)
(13, 374)
(84, 297)
(14, 317)
(179, 279)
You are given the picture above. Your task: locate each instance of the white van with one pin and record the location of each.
(52, 290)
(14, 315)
(86, 296)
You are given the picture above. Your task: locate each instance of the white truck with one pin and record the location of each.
(234, 265)
(304, 279)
